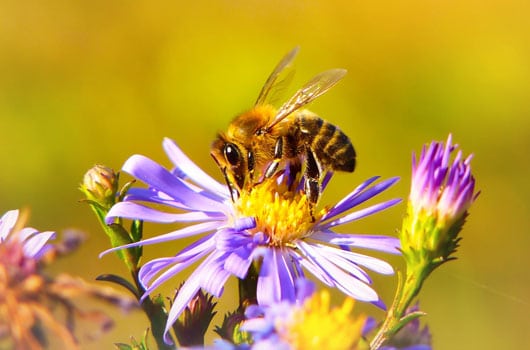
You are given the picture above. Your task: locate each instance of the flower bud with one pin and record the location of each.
(193, 323)
(100, 184)
(440, 196)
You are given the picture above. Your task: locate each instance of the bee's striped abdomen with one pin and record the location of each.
(330, 145)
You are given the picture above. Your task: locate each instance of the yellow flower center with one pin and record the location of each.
(315, 326)
(281, 213)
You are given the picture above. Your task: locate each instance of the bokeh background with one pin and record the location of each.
(95, 82)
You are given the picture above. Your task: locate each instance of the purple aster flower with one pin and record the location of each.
(308, 322)
(440, 196)
(29, 300)
(269, 224)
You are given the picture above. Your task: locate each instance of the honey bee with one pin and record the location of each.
(258, 141)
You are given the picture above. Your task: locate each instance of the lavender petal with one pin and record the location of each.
(36, 245)
(7, 222)
(360, 214)
(188, 167)
(376, 242)
(182, 233)
(158, 177)
(135, 211)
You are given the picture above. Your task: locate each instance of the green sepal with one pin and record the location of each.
(124, 190)
(136, 230)
(406, 319)
(230, 329)
(241, 337)
(119, 237)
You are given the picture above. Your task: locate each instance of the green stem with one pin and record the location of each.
(406, 291)
(248, 287)
(155, 313)
(154, 310)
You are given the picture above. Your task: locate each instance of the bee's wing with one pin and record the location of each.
(314, 88)
(274, 80)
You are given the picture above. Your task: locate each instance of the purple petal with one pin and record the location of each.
(188, 167)
(360, 195)
(304, 289)
(7, 222)
(188, 290)
(215, 276)
(172, 268)
(381, 243)
(158, 177)
(241, 250)
(183, 259)
(359, 214)
(228, 239)
(135, 211)
(374, 264)
(275, 283)
(245, 223)
(339, 207)
(343, 281)
(35, 246)
(184, 232)
(151, 195)
(343, 263)
(317, 271)
(208, 275)
(237, 265)
(256, 324)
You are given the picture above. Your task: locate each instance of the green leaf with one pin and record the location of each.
(119, 281)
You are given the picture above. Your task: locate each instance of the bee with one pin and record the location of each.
(258, 141)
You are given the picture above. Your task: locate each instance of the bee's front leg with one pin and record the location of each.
(278, 154)
(234, 193)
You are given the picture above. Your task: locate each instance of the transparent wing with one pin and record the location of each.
(276, 80)
(314, 88)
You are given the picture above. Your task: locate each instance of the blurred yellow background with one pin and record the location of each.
(85, 82)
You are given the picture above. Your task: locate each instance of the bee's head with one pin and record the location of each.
(235, 161)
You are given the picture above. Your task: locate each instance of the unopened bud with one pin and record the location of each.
(441, 194)
(193, 323)
(100, 184)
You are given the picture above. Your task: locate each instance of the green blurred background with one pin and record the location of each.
(95, 82)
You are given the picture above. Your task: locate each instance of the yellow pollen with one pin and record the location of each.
(284, 215)
(316, 326)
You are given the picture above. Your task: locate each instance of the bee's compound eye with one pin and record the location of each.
(232, 154)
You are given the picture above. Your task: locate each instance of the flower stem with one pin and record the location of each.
(118, 235)
(248, 287)
(154, 310)
(406, 291)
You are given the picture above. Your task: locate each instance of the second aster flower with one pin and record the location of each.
(38, 311)
(269, 224)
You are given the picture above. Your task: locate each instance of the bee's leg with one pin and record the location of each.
(278, 153)
(234, 193)
(311, 184)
